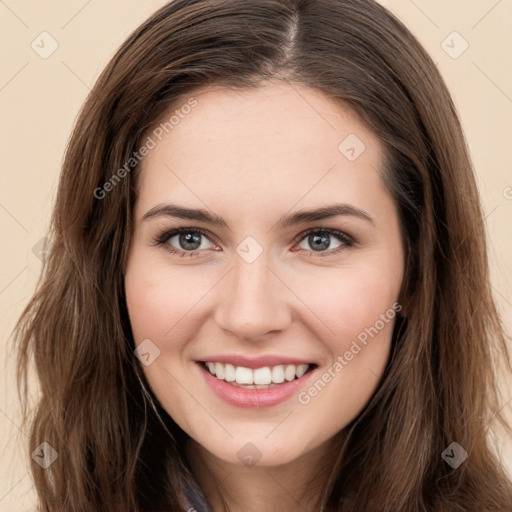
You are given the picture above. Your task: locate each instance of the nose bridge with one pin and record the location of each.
(252, 302)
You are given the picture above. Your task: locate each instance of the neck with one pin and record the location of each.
(295, 485)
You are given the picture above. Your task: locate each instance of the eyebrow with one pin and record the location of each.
(299, 217)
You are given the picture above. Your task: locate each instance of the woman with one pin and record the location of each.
(260, 368)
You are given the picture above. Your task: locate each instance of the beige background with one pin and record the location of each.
(40, 98)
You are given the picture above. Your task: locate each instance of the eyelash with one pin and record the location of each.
(347, 241)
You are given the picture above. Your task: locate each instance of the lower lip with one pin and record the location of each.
(253, 398)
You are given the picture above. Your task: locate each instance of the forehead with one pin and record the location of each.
(279, 142)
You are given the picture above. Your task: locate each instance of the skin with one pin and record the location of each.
(251, 157)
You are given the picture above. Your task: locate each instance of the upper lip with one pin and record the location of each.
(254, 362)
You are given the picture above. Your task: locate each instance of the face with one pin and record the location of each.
(267, 291)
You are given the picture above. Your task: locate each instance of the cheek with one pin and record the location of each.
(158, 304)
(157, 299)
(145, 306)
(353, 299)
(360, 307)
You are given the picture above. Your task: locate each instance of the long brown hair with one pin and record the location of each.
(117, 448)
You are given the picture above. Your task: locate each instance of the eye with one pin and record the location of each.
(188, 241)
(320, 239)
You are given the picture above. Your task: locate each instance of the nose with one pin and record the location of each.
(253, 300)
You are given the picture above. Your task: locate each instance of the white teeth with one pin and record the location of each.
(278, 374)
(289, 372)
(219, 370)
(301, 370)
(264, 377)
(242, 375)
(229, 373)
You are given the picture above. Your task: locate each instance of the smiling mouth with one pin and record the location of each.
(265, 377)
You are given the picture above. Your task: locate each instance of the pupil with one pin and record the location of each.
(189, 238)
(319, 241)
